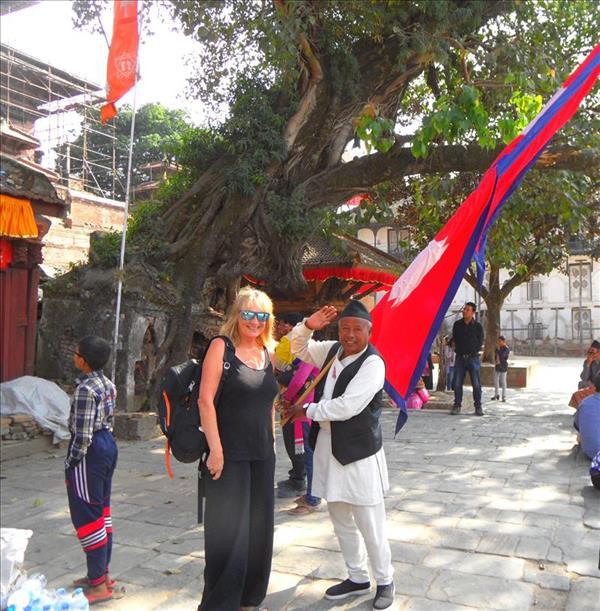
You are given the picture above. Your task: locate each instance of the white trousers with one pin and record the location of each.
(352, 521)
(500, 380)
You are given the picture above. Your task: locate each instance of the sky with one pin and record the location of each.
(46, 32)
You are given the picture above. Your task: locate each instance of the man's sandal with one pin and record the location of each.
(302, 510)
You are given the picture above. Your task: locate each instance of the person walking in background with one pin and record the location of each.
(591, 366)
(239, 517)
(449, 360)
(468, 340)
(500, 368)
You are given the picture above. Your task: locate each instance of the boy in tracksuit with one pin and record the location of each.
(90, 464)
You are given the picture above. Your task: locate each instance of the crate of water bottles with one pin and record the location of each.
(33, 595)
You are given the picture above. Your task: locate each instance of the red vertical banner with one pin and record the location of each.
(122, 57)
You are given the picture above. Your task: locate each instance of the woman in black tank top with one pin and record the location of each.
(239, 517)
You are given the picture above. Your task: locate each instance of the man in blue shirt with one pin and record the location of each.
(587, 422)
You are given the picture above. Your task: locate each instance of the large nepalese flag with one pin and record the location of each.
(122, 57)
(407, 319)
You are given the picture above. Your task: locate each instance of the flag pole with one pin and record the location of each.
(120, 272)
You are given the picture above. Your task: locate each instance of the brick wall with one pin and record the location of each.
(68, 240)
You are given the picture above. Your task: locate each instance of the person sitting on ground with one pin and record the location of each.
(500, 368)
(90, 464)
(595, 471)
(587, 422)
(591, 366)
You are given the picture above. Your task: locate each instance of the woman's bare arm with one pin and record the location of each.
(212, 370)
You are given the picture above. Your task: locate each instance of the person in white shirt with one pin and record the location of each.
(350, 470)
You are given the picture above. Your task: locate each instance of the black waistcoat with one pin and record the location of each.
(360, 436)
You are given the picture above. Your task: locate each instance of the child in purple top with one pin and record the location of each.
(501, 368)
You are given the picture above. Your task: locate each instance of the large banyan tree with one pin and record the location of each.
(425, 87)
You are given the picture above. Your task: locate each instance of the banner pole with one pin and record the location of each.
(120, 272)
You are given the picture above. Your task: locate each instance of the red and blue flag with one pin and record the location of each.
(407, 319)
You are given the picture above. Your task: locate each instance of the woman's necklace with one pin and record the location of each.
(252, 357)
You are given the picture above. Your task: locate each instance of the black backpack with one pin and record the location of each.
(178, 414)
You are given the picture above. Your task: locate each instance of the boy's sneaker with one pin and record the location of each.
(384, 596)
(347, 588)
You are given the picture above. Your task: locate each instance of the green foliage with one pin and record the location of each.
(375, 131)
(481, 83)
(175, 186)
(526, 107)
(159, 133)
(488, 88)
(144, 238)
(105, 250)
(532, 233)
(288, 218)
(254, 134)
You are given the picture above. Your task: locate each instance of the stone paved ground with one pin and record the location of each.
(484, 513)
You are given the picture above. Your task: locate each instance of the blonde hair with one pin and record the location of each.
(263, 303)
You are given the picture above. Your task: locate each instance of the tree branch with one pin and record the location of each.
(309, 94)
(334, 186)
(471, 279)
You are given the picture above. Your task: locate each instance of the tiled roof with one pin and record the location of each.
(19, 179)
(343, 250)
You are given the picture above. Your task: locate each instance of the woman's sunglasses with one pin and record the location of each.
(260, 316)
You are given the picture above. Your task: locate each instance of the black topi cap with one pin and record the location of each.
(291, 318)
(355, 309)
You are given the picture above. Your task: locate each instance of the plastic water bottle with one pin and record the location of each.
(47, 601)
(78, 601)
(19, 599)
(35, 585)
(61, 600)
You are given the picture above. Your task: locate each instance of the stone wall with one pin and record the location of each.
(82, 302)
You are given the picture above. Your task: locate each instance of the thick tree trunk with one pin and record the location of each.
(213, 230)
(441, 381)
(492, 327)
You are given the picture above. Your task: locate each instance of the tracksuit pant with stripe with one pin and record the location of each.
(88, 490)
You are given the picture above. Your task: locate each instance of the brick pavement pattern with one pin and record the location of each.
(484, 513)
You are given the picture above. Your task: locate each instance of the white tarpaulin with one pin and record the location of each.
(13, 542)
(41, 399)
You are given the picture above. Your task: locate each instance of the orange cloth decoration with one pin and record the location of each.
(16, 217)
(122, 57)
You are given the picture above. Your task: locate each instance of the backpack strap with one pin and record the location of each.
(167, 446)
(227, 358)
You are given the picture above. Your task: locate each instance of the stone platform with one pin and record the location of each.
(483, 513)
(521, 374)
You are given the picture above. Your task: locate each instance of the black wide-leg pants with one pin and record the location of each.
(238, 535)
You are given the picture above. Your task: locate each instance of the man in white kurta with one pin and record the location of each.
(354, 491)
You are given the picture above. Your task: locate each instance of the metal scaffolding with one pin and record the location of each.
(62, 112)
